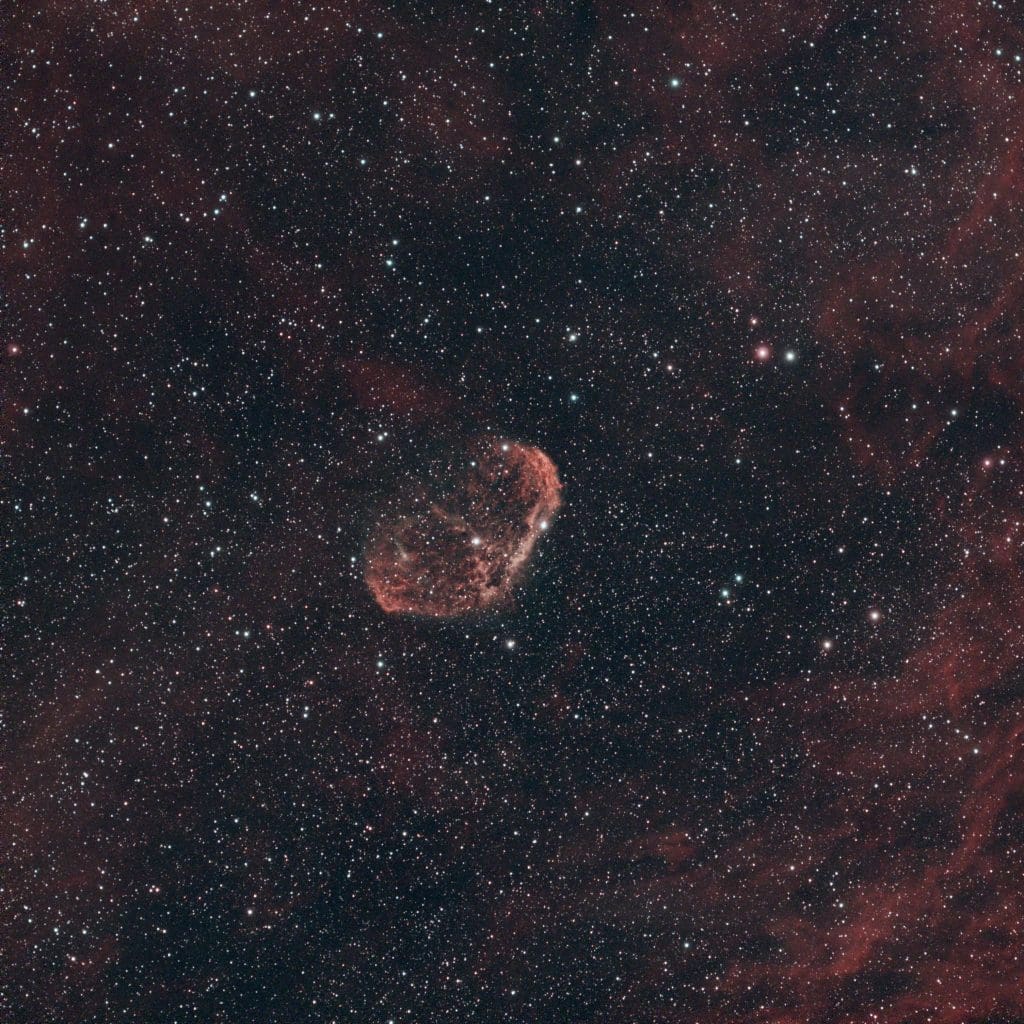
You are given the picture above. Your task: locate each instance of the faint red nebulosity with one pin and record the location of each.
(881, 878)
(387, 387)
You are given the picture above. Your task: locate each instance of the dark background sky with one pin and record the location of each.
(751, 274)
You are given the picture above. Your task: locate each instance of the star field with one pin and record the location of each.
(741, 741)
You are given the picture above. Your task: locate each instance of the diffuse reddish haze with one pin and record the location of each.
(882, 882)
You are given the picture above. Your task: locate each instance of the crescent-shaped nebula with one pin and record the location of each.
(459, 541)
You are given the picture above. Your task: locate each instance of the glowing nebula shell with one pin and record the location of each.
(461, 546)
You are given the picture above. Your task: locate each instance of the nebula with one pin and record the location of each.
(461, 544)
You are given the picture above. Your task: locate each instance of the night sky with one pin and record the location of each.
(511, 512)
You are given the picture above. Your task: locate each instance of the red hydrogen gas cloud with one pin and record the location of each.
(460, 541)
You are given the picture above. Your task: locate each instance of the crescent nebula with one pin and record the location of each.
(460, 540)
